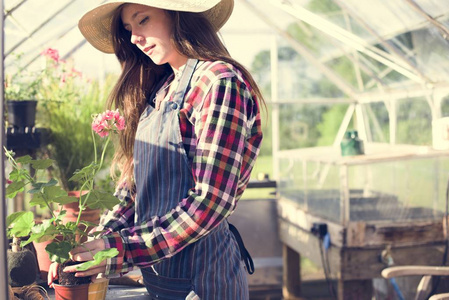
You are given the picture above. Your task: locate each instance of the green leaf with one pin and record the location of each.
(49, 194)
(37, 186)
(59, 251)
(42, 232)
(102, 200)
(98, 258)
(42, 164)
(66, 199)
(85, 173)
(21, 224)
(18, 175)
(14, 188)
(12, 217)
(26, 159)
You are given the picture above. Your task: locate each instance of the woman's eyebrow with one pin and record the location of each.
(134, 15)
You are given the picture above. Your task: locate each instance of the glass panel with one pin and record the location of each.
(388, 183)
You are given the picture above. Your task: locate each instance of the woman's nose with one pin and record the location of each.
(136, 39)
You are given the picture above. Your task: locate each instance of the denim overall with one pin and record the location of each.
(209, 268)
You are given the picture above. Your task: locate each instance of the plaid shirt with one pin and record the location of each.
(221, 132)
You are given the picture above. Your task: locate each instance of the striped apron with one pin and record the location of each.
(209, 268)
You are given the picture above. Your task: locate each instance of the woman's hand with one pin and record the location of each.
(52, 274)
(85, 252)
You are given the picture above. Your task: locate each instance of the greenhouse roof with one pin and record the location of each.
(399, 45)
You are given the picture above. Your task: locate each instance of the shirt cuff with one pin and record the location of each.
(117, 264)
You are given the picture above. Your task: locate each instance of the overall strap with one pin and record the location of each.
(184, 81)
(244, 254)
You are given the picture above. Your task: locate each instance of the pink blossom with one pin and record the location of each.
(63, 78)
(105, 122)
(76, 73)
(51, 53)
(120, 124)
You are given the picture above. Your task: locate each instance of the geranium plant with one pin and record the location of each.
(47, 193)
(55, 81)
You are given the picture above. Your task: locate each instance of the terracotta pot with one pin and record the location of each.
(71, 292)
(93, 291)
(98, 289)
(43, 259)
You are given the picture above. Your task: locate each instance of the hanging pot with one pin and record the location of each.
(21, 114)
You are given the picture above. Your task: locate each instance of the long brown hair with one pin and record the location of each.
(193, 36)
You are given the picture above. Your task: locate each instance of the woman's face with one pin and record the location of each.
(151, 30)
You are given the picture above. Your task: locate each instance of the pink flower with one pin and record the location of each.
(76, 73)
(105, 122)
(51, 53)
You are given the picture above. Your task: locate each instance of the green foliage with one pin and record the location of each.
(49, 194)
(303, 36)
(445, 106)
(414, 122)
(59, 252)
(23, 85)
(70, 121)
(328, 128)
(323, 6)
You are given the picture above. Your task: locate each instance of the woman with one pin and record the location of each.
(192, 136)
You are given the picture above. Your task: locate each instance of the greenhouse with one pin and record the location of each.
(348, 197)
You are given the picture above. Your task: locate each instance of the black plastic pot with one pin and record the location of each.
(22, 113)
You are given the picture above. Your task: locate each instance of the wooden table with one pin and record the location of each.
(358, 246)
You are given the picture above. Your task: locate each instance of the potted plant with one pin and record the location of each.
(24, 88)
(45, 193)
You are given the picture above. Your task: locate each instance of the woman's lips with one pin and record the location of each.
(148, 50)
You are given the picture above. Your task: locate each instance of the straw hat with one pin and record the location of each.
(95, 25)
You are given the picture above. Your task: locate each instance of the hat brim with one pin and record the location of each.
(96, 24)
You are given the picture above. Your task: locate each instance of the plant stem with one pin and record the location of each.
(91, 181)
(95, 145)
(104, 152)
(48, 206)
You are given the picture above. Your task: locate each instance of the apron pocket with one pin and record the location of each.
(166, 288)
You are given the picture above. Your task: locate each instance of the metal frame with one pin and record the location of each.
(4, 291)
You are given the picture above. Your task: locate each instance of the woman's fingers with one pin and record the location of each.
(87, 250)
(92, 271)
(83, 256)
(52, 274)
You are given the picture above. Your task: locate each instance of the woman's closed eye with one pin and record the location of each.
(144, 20)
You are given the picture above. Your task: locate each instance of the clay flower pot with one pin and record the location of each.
(93, 291)
(71, 292)
(43, 260)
